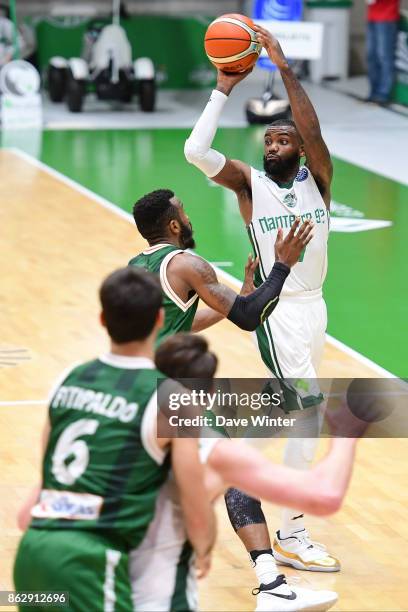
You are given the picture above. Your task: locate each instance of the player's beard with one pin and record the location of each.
(186, 237)
(281, 169)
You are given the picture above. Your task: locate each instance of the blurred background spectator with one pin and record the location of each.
(382, 26)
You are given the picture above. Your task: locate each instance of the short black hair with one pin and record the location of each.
(131, 299)
(153, 212)
(186, 356)
(281, 123)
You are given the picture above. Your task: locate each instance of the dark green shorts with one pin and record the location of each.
(82, 563)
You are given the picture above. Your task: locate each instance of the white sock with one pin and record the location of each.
(265, 568)
(291, 522)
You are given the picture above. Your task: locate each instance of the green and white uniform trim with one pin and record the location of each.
(164, 559)
(102, 473)
(291, 350)
(86, 565)
(179, 315)
(274, 208)
(103, 467)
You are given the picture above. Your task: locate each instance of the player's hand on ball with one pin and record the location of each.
(203, 565)
(271, 46)
(248, 286)
(227, 80)
(289, 249)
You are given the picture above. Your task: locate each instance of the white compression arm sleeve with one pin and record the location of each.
(197, 148)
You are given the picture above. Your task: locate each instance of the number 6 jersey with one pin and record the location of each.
(103, 468)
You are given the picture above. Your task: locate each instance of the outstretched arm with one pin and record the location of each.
(318, 491)
(304, 115)
(206, 317)
(248, 312)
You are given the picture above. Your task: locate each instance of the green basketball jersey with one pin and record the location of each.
(103, 467)
(179, 315)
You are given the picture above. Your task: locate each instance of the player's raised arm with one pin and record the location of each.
(247, 312)
(304, 115)
(197, 150)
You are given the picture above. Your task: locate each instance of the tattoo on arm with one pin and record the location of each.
(307, 122)
(302, 107)
(205, 282)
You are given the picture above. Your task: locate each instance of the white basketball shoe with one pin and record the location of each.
(300, 552)
(278, 596)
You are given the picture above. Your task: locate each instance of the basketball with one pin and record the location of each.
(231, 44)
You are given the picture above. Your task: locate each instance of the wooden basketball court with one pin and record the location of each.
(58, 243)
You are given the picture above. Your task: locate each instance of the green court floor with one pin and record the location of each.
(366, 288)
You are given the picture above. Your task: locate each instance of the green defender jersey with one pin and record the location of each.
(103, 468)
(179, 315)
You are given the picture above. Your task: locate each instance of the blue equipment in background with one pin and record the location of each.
(279, 10)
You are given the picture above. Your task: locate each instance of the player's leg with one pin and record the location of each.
(292, 545)
(386, 38)
(161, 568)
(284, 350)
(372, 59)
(163, 578)
(300, 452)
(296, 332)
(84, 565)
(248, 520)
(317, 332)
(273, 593)
(299, 362)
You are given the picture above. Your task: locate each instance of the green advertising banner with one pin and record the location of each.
(175, 44)
(329, 4)
(400, 93)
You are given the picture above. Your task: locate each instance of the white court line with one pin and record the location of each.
(359, 357)
(221, 264)
(64, 179)
(222, 273)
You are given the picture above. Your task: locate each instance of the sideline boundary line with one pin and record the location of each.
(222, 273)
